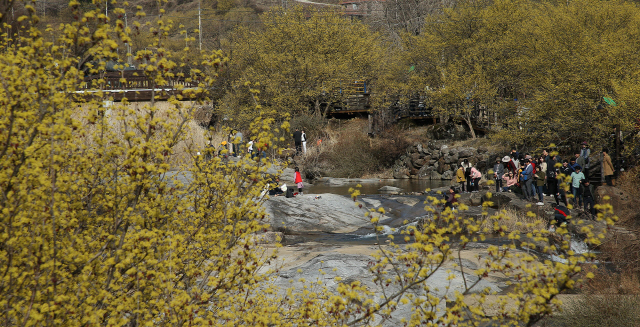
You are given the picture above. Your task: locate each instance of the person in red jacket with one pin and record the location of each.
(298, 181)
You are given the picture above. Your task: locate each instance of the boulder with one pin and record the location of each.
(335, 181)
(407, 162)
(499, 200)
(435, 175)
(288, 175)
(475, 199)
(441, 166)
(447, 175)
(425, 172)
(330, 213)
(447, 159)
(419, 163)
(389, 189)
(401, 173)
(466, 152)
(454, 156)
(433, 145)
(419, 148)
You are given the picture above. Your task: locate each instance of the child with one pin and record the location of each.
(298, 181)
(460, 178)
(450, 198)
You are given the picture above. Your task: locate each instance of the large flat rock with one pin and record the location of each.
(311, 267)
(328, 213)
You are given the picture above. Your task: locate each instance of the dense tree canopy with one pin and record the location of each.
(542, 67)
(302, 60)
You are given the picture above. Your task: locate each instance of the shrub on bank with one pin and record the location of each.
(601, 311)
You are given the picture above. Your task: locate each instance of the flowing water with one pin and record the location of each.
(371, 186)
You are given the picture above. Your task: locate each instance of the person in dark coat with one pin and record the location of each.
(297, 139)
(498, 172)
(588, 197)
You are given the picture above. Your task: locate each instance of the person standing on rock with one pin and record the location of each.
(498, 172)
(576, 181)
(588, 198)
(460, 178)
(607, 166)
(476, 175)
(527, 181)
(467, 174)
(543, 168)
(297, 139)
(564, 174)
(585, 152)
(552, 182)
(298, 181)
(238, 143)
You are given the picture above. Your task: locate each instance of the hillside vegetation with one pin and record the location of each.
(541, 69)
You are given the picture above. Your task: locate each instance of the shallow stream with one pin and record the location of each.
(371, 186)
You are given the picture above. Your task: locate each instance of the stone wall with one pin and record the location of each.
(439, 160)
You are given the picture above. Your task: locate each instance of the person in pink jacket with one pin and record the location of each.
(475, 175)
(510, 180)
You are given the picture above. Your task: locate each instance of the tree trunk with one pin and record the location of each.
(317, 107)
(468, 121)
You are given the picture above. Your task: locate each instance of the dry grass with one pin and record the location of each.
(347, 151)
(600, 311)
(608, 282)
(628, 182)
(623, 248)
(513, 220)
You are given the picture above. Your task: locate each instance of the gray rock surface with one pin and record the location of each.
(390, 189)
(447, 175)
(288, 175)
(331, 213)
(326, 267)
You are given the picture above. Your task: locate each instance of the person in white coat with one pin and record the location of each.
(304, 142)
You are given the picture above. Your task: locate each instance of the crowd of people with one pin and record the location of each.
(534, 177)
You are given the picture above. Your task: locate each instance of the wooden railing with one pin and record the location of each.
(133, 85)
